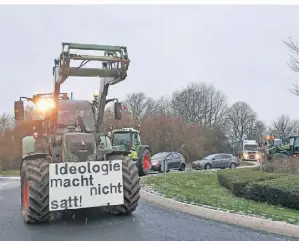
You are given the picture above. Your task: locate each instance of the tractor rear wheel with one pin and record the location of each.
(131, 188)
(35, 190)
(144, 165)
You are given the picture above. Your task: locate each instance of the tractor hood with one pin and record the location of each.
(79, 147)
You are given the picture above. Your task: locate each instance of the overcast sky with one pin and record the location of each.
(238, 49)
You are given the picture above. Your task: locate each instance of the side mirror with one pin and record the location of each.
(118, 110)
(19, 110)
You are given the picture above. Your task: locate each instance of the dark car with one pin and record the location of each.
(174, 160)
(219, 160)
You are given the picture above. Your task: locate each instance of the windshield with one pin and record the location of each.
(69, 110)
(208, 157)
(296, 143)
(160, 155)
(121, 138)
(277, 142)
(251, 147)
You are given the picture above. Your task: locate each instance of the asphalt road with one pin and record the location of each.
(148, 223)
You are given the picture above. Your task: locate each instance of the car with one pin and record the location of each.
(219, 160)
(174, 160)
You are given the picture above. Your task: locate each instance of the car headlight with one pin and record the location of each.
(155, 163)
(245, 155)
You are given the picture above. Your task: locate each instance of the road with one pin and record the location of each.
(148, 223)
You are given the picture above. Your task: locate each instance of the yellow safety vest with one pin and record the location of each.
(133, 155)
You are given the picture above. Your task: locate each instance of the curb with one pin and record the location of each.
(260, 224)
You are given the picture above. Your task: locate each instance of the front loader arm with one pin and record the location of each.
(112, 68)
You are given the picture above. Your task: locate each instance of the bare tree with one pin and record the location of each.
(241, 119)
(294, 61)
(257, 132)
(137, 103)
(6, 123)
(283, 127)
(200, 104)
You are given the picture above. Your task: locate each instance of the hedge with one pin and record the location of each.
(275, 188)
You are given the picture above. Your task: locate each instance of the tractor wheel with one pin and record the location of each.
(35, 190)
(144, 165)
(131, 189)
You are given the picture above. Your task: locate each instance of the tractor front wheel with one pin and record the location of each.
(145, 165)
(35, 190)
(131, 188)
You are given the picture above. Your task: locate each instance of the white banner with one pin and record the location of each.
(75, 185)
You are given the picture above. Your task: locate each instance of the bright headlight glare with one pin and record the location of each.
(45, 104)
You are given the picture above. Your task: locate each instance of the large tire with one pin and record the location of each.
(35, 190)
(131, 187)
(144, 163)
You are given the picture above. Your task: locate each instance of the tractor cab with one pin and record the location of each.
(126, 139)
(294, 145)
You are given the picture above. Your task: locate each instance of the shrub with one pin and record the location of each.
(237, 180)
(286, 165)
(282, 191)
(275, 188)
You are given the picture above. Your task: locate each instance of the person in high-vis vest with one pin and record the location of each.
(133, 154)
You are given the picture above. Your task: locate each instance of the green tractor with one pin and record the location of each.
(68, 138)
(126, 139)
(277, 150)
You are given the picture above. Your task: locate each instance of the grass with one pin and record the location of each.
(10, 173)
(244, 163)
(202, 188)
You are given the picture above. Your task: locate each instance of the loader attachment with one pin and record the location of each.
(112, 61)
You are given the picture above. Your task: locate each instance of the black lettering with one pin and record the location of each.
(105, 169)
(84, 179)
(67, 183)
(88, 167)
(70, 202)
(106, 187)
(96, 168)
(95, 191)
(63, 169)
(116, 167)
(54, 204)
(82, 171)
(90, 180)
(76, 182)
(76, 201)
(63, 204)
(56, 169)
(56, 182)
(112, 187)
(119, 186)
(73, 170)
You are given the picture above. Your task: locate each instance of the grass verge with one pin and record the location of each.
(10, 173)
(202, 188)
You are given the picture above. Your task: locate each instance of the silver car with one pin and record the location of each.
(219, 160)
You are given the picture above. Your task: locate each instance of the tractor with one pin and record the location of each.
(69, 133)
(277, 151)
(129, 138)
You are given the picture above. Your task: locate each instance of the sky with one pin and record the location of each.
(238, 49)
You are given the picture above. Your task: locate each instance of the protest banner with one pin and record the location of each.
(75, 185)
